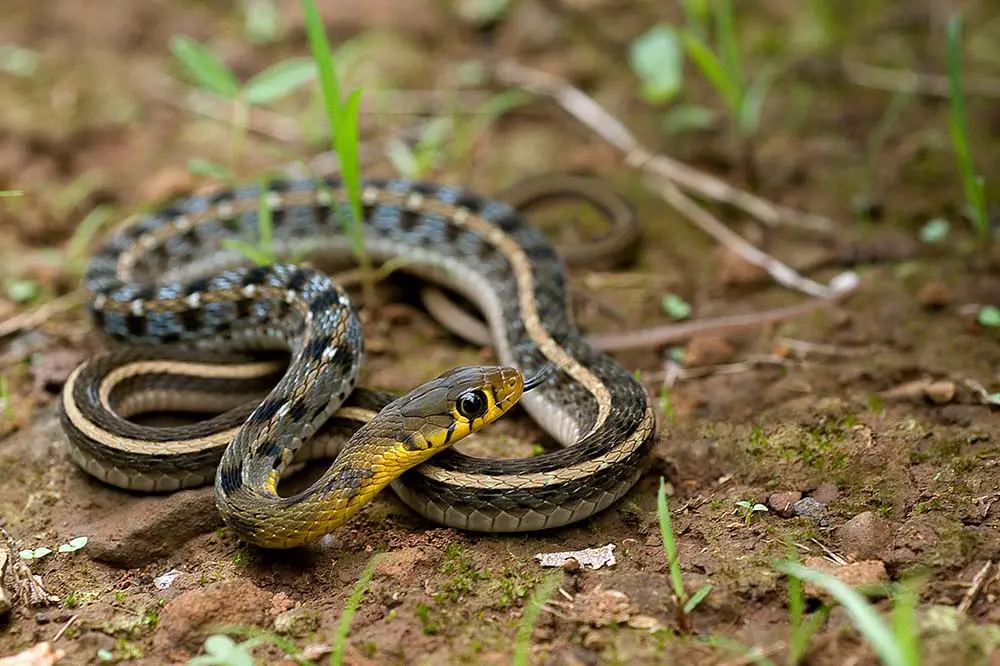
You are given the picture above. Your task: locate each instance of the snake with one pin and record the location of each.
(271, 353)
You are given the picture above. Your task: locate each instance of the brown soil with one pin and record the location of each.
(894, 486)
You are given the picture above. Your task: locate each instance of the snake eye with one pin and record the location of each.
(473, 404)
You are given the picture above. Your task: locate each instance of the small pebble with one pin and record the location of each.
(708, 350)
(807, 507)
(736, 270)
(865, 536)
(933, 296)
(855, 575)
(941, 392)
(593, 640)
(571, 565)
(41, 618)
(782, 503)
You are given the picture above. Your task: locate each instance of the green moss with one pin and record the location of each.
(465, 576)
(429, 627)
(513, 587)
(818, 447)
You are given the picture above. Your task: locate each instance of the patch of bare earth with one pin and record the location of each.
(874, 457)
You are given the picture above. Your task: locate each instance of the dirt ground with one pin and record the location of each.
(858, 426)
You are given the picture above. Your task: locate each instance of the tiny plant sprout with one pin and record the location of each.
(749, 508)
(74, 545)
(989, 315)
(223, 650)
(35, 554)
(676, 307)
(935, 231)
(657, 57)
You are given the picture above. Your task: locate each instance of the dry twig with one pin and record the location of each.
(598, 119)
(27, 587)
(35, 318)
(41, 654)
(674, 372)
(985, 397)
(669, 175)
(832, 556)
(6, 603)
(66, 625)
(908, 81)
(804, 347)
(975, 588)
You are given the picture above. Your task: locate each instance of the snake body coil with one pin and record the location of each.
(171, 290)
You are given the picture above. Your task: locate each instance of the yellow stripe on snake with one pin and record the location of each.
(195, 327)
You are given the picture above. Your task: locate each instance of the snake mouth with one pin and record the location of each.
(539, 377)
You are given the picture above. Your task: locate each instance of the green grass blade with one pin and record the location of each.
(696, 15)
(279, 80)
(713, 70)
(8, 406)
(729, 42)
(749, 654)
(669, 545)
(904, 622)
(207, 70)
(403, 159)
(265, 224)
(202, 167)
(84, 234)
(866, 618)
(802, 627)
(957, 123)
(248, 250)
(522, 649)
(484, 116)
(697, 598)
(796, 601)
(344, 627)
(343, 121)
(350, 166)
(885, 125)
(257, 636)
(802, 634)
(320, 46)
(752, 106)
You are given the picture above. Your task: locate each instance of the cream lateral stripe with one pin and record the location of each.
(128, 445)
(201, 370)
(541, 479)
(160, 399)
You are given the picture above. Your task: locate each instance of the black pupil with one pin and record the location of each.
(472, 405)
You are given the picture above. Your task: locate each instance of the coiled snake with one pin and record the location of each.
(193, 324)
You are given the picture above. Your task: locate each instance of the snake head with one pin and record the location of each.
(455, 404)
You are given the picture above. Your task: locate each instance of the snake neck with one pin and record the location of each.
(369, 461)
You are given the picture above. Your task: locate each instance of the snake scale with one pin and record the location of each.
(194, 326)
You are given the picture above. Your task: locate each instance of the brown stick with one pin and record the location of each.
(670, 175)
